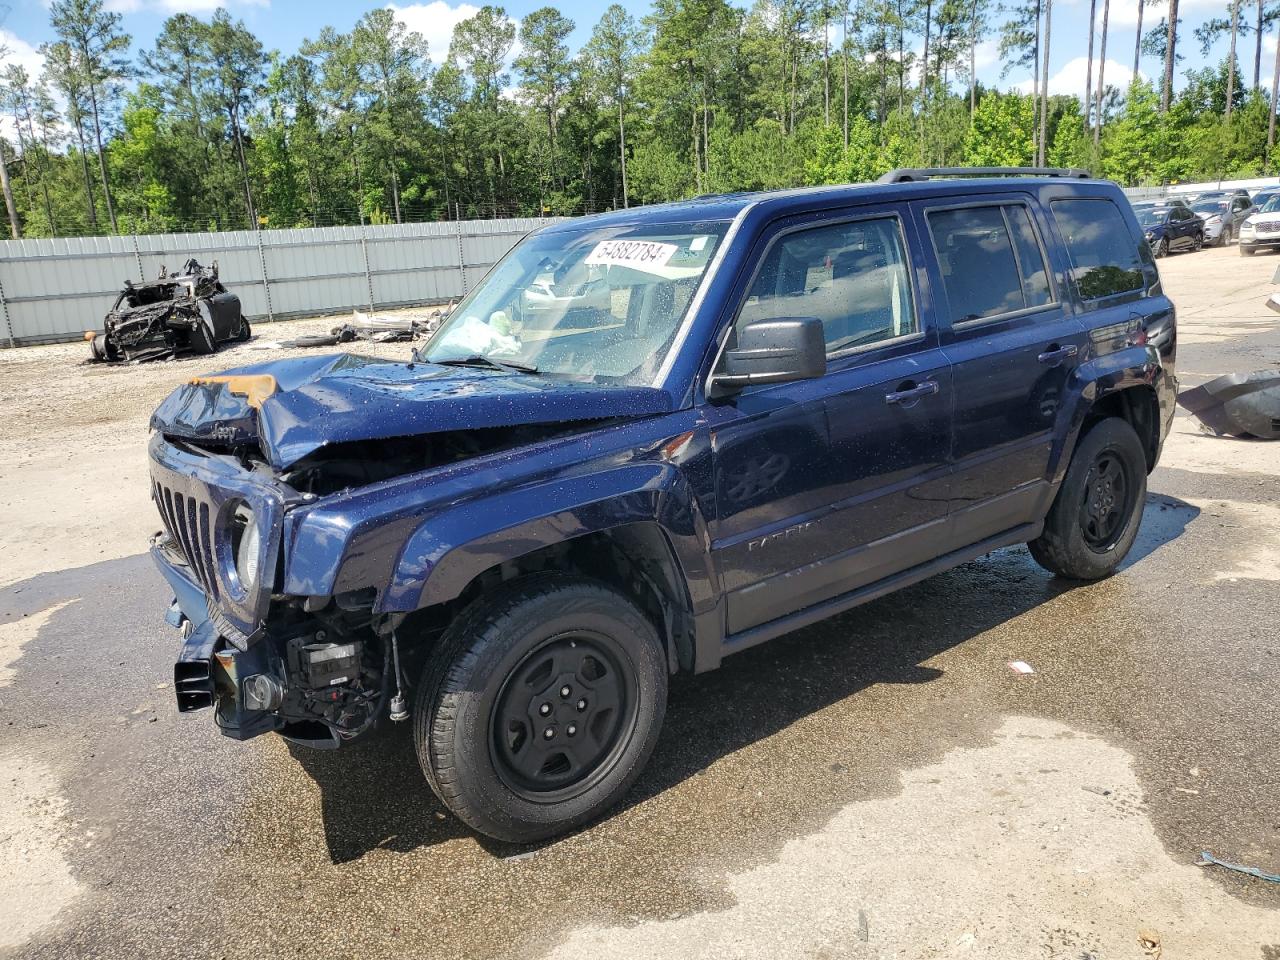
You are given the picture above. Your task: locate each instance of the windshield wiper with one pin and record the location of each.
(480, 360)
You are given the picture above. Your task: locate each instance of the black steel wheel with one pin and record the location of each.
(562, 715)
(540, 706)
(1096, 514)
(1105, 501)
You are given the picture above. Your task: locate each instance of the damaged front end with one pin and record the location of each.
(317, 670)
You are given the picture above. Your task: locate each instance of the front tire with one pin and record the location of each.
(1246, 251)
(541, 707)
(1162, 248)
(1098, 510)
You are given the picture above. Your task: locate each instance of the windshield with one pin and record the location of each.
(1151, 218)
(1211, 206)
(600, 303)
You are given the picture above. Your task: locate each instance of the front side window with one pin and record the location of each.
(600, 304)
(990, 260)
(1105, 260)
(851, 276)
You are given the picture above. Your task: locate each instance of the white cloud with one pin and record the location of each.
(1071, 77)
(435, 21)
(986, 54)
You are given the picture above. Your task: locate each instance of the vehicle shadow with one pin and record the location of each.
(373, 795)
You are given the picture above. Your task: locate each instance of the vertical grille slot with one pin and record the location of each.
(187, 521)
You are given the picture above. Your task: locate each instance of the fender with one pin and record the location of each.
(1135, 366)
(452, 547)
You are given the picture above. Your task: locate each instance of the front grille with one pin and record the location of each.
(189, 524)
(1268, 227)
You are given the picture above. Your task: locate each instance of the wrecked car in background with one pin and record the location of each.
(188, 311)
(648, 440)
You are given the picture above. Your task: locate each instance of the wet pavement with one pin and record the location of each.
(895, 737)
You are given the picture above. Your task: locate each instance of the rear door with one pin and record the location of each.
(1013, 341)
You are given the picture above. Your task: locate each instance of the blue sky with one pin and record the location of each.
(283, 24)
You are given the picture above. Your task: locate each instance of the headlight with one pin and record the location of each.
(1151, 234)
(1214, 219)
(246, 541)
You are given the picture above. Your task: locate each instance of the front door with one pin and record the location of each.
(826, 485)
(1014, 344)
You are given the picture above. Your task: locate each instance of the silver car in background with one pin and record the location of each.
(1222, 216)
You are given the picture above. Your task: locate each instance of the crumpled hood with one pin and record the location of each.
(345, 397)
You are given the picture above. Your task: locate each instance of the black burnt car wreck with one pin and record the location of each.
(186, 311)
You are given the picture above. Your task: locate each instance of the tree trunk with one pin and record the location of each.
(826, 68)
(1257, 49)
(84, 169)
(102, 160)
(1170, 53)
(973, 59)
(844, 61)
(1271, 119)
(924, 60)
(1137, 44)
(622, 151)
(44, 168)
(1044, 86)
(1102, 71)
(1231, 56)
(5, 186)
(234, 116)
(1088, 73)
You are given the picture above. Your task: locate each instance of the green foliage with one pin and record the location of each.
(207, 130)
(1002, 133)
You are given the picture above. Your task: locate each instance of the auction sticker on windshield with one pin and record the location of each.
(632, 253)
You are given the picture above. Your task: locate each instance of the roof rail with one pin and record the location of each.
(918, 174)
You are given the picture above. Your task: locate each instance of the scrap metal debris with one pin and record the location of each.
(1207, 859)
(377, 328)
(186, 311)
(1243, 405)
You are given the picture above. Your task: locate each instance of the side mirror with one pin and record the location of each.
(773, 351)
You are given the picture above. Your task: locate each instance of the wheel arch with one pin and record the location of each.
(638, 529)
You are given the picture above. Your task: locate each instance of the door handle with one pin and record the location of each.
(910, 394)
(1056, 354)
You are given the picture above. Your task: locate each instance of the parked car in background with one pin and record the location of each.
(1262, 196)
(1261, 230)
(1222, 217)
(1170, 228)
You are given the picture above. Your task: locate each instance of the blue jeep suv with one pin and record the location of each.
(648, 440)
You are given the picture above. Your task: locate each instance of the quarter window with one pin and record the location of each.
(851, 276)
(991, 260)
(1104, 258)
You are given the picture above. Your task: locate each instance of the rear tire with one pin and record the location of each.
(497, 684)
(1098, 510)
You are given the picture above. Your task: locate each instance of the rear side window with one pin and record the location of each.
(1105, 260)
(991, 260)
(851, 276)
